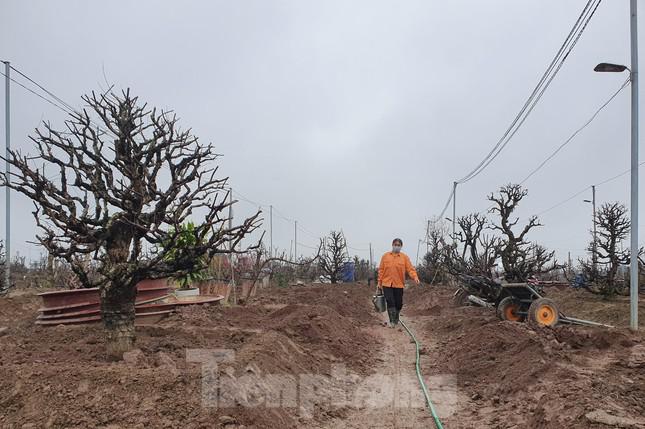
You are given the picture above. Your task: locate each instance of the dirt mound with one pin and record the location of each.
(424, 300)
(321, 325)
(582, 304)
(517, 376)
(60, 377)
(581, 338)
(347, 299)
(504, 374)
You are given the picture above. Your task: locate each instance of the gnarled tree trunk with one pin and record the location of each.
(119, 294)
(117, 313)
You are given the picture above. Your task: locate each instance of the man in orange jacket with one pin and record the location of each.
(391, 279)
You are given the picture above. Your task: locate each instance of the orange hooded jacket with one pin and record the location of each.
(392, 269)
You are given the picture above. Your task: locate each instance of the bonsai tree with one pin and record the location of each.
(613, 228)
(120, 174)
(520, 258)
(333, 256)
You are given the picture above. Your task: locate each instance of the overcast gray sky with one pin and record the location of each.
(348, 114)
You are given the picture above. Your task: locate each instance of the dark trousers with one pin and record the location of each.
(394, 297)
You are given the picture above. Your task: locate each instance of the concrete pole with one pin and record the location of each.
(295, 240)
(418, 247)
(595, 236)
(230, 243)
(633, 268)
(7, 273)
(271, 231)
(454, 211)
(371, 260)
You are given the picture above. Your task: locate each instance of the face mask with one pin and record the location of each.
(396, 249)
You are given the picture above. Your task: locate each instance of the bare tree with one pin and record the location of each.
(613, 227)
(436, 265)
(263, 263)
(334, 255)
(135, 178)
(362, 268)
(520, 258)
(479, 251)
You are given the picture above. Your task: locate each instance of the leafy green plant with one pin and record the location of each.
(185, 239)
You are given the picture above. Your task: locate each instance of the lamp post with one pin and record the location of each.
(633, 73)
(594, 255)
(7, 273)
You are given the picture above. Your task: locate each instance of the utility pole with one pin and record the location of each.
(230, 243)
(7, 273)
(371, 260)
(595, 237)
(271, 231)
(230, 216)
(428, 237)
(418, 247)
(633, 265)
(295, 240)
(454, 210)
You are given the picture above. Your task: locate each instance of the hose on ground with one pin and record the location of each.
(437, 422)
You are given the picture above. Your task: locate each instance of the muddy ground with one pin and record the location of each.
(318, 357)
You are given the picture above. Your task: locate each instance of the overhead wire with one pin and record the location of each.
(51, 94)
(67, 108)
(552, 70)
(586, 124)
(586, 189)
(35, 93)
(548, 76)
(535, 101)
(545, 81)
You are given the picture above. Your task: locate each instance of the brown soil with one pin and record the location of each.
(59, 377)
(481, 372)
(514, 376)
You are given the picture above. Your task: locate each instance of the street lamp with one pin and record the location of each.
(610, 68)
(633, 76)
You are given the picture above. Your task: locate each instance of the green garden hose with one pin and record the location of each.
(437, 422)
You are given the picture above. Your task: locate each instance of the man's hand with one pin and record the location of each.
(417, 282)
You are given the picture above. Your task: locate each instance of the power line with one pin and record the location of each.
(618, 175)
(552, 70)
(66, 108)
(565, 201)
(51, 94)
(545, 81)
(445, 207)
(539, 90)
(356, 249)
(306, 231)
(239, 195)
(307, 246)
(35, 93)
(279, 214)
(587, 188)
(567, 141)
(533, 102)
